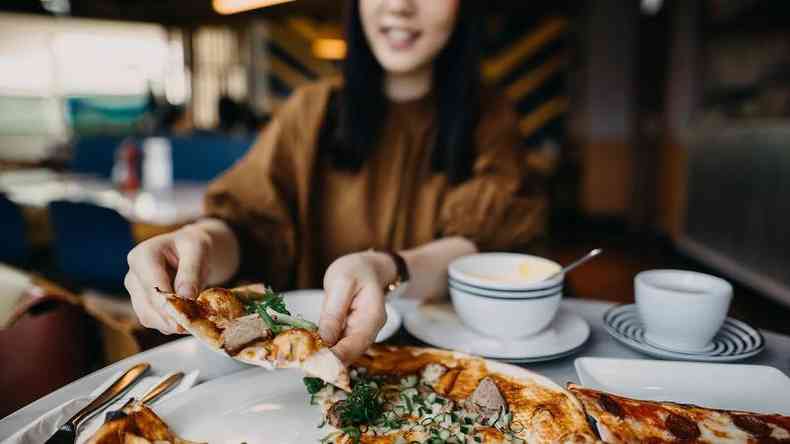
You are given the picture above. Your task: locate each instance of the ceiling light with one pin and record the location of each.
(329, 49)
(651, 6)
(234, 6)
(57, 7)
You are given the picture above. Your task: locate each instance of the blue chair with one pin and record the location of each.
(94, 155)
(91, 244)
(14, 246)
(201, 158)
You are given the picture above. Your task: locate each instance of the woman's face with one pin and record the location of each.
(406, 35)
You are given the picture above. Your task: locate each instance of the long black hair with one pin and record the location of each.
(357, 112)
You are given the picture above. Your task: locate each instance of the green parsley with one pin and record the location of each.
(313, 385)
(271, 308)
(362, 406)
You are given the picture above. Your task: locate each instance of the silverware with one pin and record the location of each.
(158, 390)
(67, 433)
(576, 263)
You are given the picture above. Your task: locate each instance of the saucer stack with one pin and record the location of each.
(504, 306)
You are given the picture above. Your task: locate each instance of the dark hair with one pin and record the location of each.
(356, 114)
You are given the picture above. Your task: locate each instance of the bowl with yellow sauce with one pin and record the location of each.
(505, 295)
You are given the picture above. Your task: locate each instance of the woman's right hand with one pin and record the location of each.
(174, 262)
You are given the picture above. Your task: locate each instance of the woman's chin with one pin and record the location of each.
(401, 64)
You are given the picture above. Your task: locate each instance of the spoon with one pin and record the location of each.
(576, 263)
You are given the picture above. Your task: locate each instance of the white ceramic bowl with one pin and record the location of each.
(502, 271)
(506, 309)
(681, 310)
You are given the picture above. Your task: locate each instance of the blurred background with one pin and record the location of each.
(661, 127)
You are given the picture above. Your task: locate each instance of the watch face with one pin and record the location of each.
(396, 290)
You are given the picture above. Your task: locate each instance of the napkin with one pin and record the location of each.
(42, 428)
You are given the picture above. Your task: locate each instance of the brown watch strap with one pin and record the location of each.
(401, 269)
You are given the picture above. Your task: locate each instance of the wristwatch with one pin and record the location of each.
(401, 269)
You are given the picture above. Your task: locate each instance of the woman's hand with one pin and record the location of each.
(183, 262)
(353, 309)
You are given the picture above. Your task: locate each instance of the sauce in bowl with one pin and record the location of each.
(526, 271)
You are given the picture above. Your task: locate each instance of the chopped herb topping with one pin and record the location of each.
(362, 406)
(270, 306)
(313, 385)
(378, 406)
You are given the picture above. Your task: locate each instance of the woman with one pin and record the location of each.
(403, 155)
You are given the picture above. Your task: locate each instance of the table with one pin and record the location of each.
(189, 354)
(179, 204)
(151, 212)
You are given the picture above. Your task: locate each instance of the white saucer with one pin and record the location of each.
(308, 304)
(438, 325)
(735, 341)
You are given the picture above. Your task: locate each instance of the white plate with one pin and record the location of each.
(754, 388)
(439, 325)
(735, 341)
(308, 304)
(259, 406)
(253, 406)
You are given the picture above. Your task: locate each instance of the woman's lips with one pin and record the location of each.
(400, 39)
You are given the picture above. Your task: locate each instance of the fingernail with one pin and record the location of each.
(186, 291)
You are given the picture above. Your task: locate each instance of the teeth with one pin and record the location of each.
(400, 35)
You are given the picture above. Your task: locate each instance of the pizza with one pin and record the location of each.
(624, 420)
(252, 324)
(401, 395)
(136, 424)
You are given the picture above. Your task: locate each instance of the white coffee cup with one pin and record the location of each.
(681, 310)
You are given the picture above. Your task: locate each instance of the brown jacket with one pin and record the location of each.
(295, 213)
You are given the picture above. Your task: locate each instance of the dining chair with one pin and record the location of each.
(14, 245)
(91, 244)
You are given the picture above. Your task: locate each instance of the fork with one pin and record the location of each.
(158, 390)
(67, 433)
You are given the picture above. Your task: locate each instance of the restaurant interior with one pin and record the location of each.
(654, 127)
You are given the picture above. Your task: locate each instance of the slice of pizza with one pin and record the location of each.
(624, 420)
(137, 424)
(407, 394)
(252, 324)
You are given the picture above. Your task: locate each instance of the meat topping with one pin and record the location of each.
(333, 415)
(682, 427)
(610, 405)
(486, 400)
(749, 423)
(242, 331)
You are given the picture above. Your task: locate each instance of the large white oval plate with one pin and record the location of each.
(260, 406)
(252, 406)
(752, 388)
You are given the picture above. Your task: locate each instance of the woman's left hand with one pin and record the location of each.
(353, 309)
